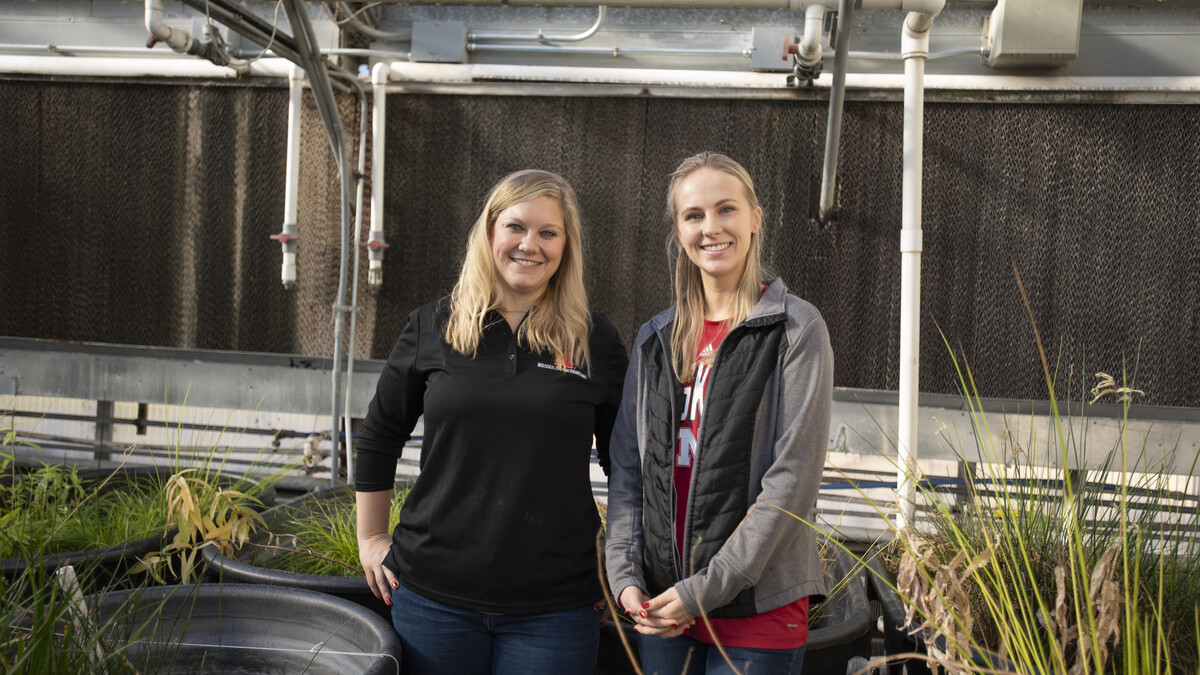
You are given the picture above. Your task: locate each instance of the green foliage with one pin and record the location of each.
(323, 538)
(1092, 570)
(51, 510)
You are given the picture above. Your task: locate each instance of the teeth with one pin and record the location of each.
(716, 247)
(525, 263)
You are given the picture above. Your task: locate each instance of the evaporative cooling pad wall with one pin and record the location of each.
(140, 214)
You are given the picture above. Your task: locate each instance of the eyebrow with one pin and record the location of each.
(727, 200)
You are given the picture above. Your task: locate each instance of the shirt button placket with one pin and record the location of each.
(511, 367)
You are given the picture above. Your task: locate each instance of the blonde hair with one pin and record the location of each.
(560, 322)
(689, 289)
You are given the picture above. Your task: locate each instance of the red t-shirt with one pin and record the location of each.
(781, 628)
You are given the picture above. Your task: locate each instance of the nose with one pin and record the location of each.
(711, 226)
(528, 242)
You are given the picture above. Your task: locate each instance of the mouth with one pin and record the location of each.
(716, 248)
(525, 263)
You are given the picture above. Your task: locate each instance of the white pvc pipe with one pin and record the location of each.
(379, 78)
(180, 41)
(291, 176)
(172, 66)
(914, 46)
(810, 45)
(446, 73)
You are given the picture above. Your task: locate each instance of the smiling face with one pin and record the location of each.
(714, 222)
(528, 240)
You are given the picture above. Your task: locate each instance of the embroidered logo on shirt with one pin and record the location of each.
(551, 366)
(705, 353)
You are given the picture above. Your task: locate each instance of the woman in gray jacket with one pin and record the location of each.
(719, 446)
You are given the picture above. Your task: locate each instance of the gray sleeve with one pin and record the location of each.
(623, 539)
(791, 482)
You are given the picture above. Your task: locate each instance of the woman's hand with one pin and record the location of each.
(371, 552)
(631, 600)
(664, 616)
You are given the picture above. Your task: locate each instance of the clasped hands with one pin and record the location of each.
(663, 616)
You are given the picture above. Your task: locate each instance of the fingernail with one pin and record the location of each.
(637, 629)
(626, 611)
(388, 600)
(674, 625)
(643, 613)
(645, 605)
(395, 584)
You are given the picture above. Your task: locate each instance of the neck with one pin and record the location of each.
(720, 297)
(513, 307)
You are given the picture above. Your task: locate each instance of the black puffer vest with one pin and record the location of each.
(721, 473)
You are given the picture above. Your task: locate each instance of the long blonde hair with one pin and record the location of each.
(689, 289)
(560, 322)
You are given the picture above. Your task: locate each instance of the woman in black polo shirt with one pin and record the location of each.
(492, 567)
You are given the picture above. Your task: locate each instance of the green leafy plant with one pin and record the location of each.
(1048, 568)
(204, 515)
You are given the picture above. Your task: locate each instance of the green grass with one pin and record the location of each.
(51, 510)
(327, 528)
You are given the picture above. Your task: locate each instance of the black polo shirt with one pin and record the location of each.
(501, 518)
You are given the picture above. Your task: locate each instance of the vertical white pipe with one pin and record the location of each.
(810, 44)
(180, 41)
(375, 241)
(914, 48)
(291, 180)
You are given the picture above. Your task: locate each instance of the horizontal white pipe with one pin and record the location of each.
(131, 67)
(1026, 83)
(72, 50)
(476, 72)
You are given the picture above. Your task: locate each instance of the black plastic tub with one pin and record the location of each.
(237, 628)
(840, 632)
(248, 564)
(112, 564)
(900, 637)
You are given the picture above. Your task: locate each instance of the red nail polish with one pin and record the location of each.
(388, 600)
(637, 629)
(645, 605)
(626, 611)
(643, 613)
(395, 584)
(674, 625)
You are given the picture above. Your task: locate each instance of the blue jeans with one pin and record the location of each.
(438, 638)
(667, 657)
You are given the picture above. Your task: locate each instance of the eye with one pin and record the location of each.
(549, 234)
(726, 209)
(691, 216)
(514, 227)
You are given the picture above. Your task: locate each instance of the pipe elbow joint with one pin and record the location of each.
(380, 73)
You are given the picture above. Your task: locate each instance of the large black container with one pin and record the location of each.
(245, 566)
(111, 564)
(901, 637)
(238, 628)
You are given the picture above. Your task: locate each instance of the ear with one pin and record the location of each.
(757, 219)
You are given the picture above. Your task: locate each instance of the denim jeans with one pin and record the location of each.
(667, 657)
(438, 638)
